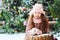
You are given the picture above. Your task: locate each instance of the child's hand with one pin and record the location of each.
(35, 31)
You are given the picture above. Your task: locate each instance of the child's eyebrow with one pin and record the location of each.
(37, 12)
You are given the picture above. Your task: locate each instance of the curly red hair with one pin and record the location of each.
(45, 24)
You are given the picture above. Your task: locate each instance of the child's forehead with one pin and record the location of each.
(37, 12)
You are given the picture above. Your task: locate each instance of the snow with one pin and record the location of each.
(57, 36)
(18, 36)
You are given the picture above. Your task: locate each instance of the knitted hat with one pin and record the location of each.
(37, 8)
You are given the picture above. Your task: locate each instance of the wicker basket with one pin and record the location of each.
(41, 37)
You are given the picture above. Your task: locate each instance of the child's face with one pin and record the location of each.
(37, 15)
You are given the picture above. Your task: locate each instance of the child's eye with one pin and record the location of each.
(35, 12)
(38, 12)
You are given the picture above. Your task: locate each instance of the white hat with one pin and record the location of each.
(37, 8)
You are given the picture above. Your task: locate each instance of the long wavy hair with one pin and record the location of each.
(44, 19)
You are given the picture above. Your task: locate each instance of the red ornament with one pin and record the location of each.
(24, 9)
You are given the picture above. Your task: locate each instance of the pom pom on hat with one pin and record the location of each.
(37, 8)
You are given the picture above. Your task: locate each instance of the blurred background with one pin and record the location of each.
(14, 14)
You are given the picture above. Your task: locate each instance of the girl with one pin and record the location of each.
(37, 19)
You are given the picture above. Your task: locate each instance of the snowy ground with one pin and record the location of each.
(19, 36)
